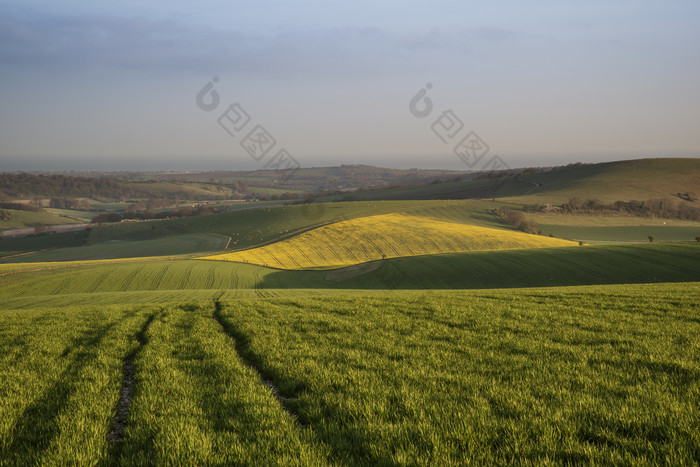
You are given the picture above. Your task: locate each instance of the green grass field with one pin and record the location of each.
(59, 386)
(605, 374)
(594, 220)
(612, 181)
(249, 228)
(608, 182)
(623, 233)
(53, 284)
(190, 190)
(384, 236)
(83, 216)
(419, 342)
(598, 228)
(24, 219)
(168, 246)
(255, 227)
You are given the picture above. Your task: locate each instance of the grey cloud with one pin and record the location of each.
(65, 43)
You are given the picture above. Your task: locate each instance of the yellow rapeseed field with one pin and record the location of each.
(384, 236)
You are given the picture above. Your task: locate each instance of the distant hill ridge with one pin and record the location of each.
(639, 179)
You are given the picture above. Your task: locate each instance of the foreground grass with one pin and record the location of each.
(197, 403)
(60, 374)
(194, 401)
(606, 374)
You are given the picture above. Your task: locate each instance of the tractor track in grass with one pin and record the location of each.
(116, 431)
(39, 423)
(243, 350)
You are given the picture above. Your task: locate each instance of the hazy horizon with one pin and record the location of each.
(214, 165)
(103, 87)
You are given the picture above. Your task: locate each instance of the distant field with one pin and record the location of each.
(380, 237)
(84, 216)
(595, 228)
(23, 219)
(629, 233)
(592, 264)
(585, 220)
(148, 274)
(189, 189)
(238, 206)
(254, 227)
(96, 206)
(640, 179)
(121, 281)
(168, 246)
(582, 375)
(471, 189)
(612, 181)
(271, 191)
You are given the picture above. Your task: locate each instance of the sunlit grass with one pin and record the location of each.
(608, 375)
(384, 236)
(605, 374)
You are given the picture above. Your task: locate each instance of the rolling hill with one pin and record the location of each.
(246, 228)
(28, 219)
(639, 179)
(154, 280)
(355, 333)
(383, 236)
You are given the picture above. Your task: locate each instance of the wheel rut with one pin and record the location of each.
(115, 436)
(242, 346)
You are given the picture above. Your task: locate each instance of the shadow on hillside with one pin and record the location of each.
(583, 265)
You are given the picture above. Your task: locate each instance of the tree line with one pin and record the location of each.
(69, 203)
(25, 185)
(663, 208)
(20, 206)
(146, 214)
(517, 219)
(28, 185)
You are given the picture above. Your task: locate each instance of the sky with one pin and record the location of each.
(150, 85)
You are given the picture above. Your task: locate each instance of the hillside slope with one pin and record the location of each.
(605, 264)
(384, 236)
(32, 285)
(640, 179)
(254, 227)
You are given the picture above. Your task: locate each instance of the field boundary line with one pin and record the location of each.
(225, 236)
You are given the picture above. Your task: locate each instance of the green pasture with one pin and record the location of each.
(592, 375)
